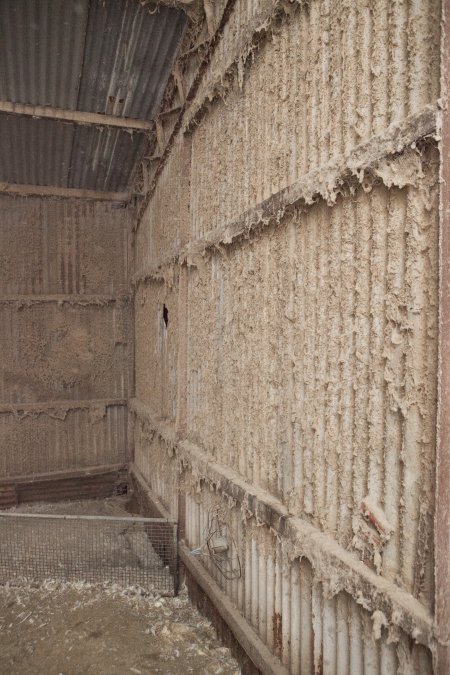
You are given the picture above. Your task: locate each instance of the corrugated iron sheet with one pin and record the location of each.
(310, 629)
(64, 252)
(106, 57)
(41, 51)
(42, 444)
(48, 152)
(128, 54)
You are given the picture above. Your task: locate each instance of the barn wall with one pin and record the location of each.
(64, 335)
(294, 387)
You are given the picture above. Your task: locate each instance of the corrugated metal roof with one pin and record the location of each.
(107, 56)
(133, 52)
(103, 159)
(48, 152)
(41, 51)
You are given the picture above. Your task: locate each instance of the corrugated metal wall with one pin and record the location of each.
(312, 356)
(309, 626)
(302, 359)
(331, 77)
(64, 335)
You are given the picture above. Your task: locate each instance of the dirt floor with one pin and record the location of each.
(74, 629)
(62, 628)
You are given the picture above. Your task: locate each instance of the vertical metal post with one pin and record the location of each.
(175, 560)
(442, 514)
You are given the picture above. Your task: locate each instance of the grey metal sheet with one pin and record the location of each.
(128, 57)
(35, 151)
(103, 159)
(47, 152)
(107, 56)
(41, 51)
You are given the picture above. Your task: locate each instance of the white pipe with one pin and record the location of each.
(255, 594)
(270, 602)
(248, 575)
(295, 618)
(262, 585)
(278, 608)
(286, 611)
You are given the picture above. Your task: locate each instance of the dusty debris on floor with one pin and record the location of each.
(61, 628)
(77, 629)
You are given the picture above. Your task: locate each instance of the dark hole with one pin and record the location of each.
(120, 489)
(165, 316)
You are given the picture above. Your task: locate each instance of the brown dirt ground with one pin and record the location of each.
(74, 629)
(61, 628)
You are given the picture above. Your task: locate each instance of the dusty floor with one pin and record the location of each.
(73, 629)
(61, 628)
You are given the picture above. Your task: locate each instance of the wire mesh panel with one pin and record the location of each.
(96, 549)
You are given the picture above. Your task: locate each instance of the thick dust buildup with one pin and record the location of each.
(77, 629)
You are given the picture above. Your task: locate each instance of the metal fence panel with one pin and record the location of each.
(128, 551)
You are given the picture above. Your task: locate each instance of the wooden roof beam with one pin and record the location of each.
(62, 192)
(75, 116)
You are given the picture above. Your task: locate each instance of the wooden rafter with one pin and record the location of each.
(442, 503)
(70, 193)
(75, 116)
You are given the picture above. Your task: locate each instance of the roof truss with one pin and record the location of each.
(75, 116)
(27, 190)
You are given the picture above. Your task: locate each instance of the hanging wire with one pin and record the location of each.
(219, 546)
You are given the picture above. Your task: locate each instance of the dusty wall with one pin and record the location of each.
(303, 359)
(64, 335)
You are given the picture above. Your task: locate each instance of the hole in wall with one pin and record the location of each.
(165, 316)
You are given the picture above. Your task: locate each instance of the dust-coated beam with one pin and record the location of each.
(74, 116)
(190, 7)
(81, 299)
(442, 512)
(50, 407)
(62, 474)
(27, 190)
(180, 4)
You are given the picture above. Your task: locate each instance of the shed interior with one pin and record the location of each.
(223, 288)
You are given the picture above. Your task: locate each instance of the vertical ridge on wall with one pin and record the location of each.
(65, 253)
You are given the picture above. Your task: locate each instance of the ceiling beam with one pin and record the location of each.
(62, 192)
(75, 116)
